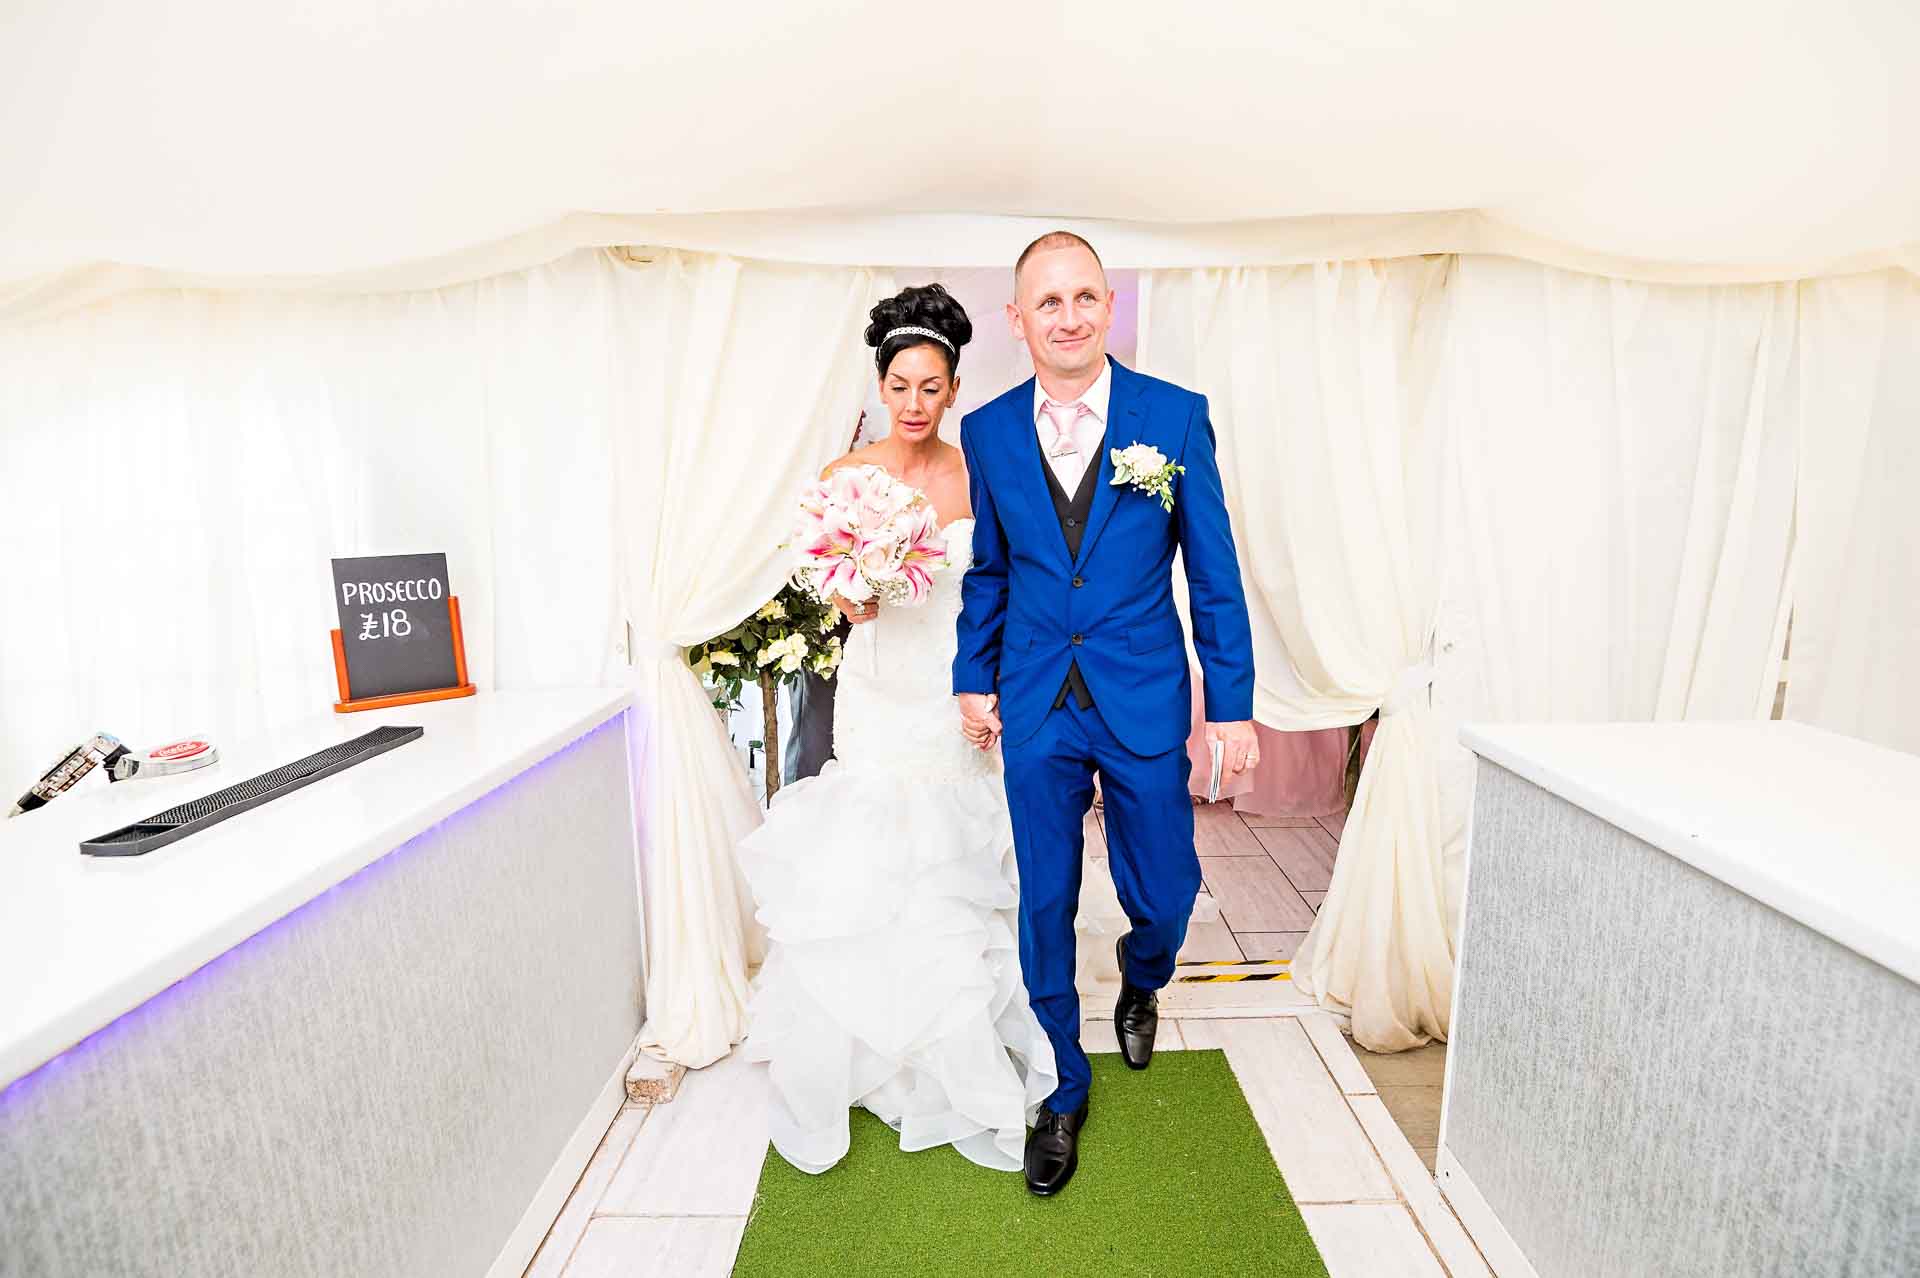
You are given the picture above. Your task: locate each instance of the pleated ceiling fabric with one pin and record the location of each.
(371, 146)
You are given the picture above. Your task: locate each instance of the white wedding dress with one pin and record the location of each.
(888, 890)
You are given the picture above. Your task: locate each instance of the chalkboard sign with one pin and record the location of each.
(396, 629)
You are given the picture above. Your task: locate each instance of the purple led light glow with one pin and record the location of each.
(360, 881)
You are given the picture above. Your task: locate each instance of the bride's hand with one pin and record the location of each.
(858, 613)
(979, 721)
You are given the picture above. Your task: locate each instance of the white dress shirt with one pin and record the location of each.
(1088, 431)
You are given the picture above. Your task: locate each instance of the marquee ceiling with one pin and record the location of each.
(248, 137)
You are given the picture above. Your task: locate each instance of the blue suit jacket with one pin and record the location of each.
(1028, 611)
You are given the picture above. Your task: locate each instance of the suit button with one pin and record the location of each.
(1073, 523)
(1079, 582)
(1076, 638)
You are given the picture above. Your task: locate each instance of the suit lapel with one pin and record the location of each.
(1123, 428)
(1023, 449)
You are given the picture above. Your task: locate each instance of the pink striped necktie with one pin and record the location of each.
(1063, 418)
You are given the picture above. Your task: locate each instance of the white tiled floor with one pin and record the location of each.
(632, 1246)
(669, 1189)
(687, 1157)
(1376, 1239)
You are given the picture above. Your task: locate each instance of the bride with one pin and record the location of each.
(887, 883)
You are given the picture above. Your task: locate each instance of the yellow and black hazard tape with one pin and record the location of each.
(1198, 978)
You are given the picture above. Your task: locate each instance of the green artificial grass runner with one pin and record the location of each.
(1175, 1178)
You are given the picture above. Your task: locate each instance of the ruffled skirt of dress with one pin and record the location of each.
(893, 977)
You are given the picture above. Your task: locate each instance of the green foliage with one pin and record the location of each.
(788, 635)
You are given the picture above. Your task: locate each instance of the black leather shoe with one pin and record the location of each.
(1136, 1016)
(1053, 1150)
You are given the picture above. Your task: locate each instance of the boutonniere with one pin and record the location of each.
(1148, 470)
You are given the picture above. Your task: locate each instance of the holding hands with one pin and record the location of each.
(980, 724)
(979, 718)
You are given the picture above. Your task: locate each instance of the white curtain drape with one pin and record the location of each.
(1624, 489)
(176, 470)
(746, 380)
(1856, 609)
(1319, 380)
(602, 439)
(1573, 496)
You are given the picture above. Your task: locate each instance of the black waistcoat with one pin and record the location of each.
(1072, 513)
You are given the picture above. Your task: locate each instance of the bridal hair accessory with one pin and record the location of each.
(914, 330)
(1148, 470)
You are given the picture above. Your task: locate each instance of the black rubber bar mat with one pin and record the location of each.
(190, 818)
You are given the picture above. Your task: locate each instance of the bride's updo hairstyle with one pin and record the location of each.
(930, 317)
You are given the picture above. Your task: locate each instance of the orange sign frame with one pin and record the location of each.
(348, 703)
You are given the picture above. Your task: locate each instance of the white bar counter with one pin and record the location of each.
(381, 1015)
(1688, 1002)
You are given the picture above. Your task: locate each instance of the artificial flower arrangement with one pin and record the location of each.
(787, 636)
(860, 535)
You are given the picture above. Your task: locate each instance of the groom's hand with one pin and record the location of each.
(978, 720)
(1242, 747)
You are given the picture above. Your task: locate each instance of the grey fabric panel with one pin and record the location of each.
(810, 744)
(1653, 1073)
(376, 1084)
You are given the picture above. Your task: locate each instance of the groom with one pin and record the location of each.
(1071, 652)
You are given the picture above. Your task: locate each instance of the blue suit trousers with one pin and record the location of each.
(1149, 828)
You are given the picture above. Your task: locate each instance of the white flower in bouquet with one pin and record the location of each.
(862, 534)
(788, 653)
(1147, 469)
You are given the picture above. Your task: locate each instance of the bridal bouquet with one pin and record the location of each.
(862, 534)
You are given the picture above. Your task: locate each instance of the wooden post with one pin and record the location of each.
(770, 732)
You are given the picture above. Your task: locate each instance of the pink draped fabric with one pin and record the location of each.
(1299, 774)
